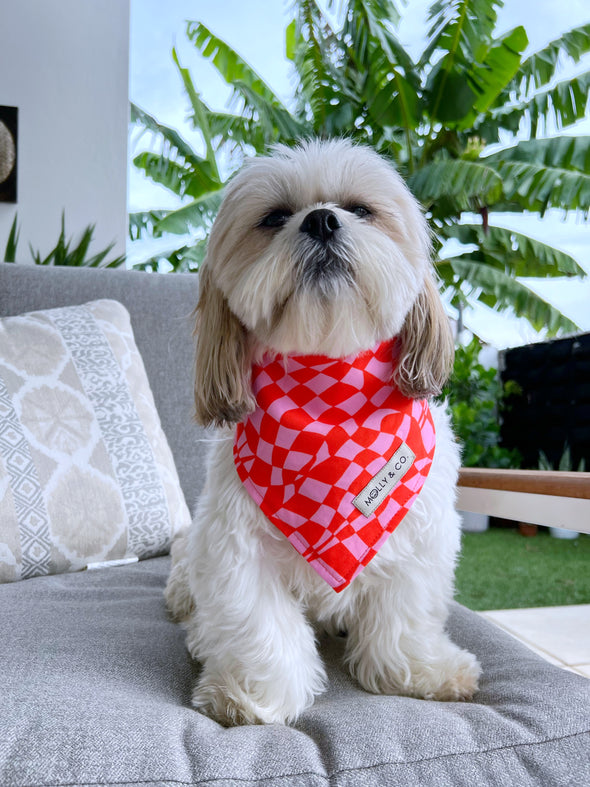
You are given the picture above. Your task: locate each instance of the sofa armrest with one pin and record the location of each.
(540, 497)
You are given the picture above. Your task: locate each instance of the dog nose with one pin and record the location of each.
(320, 224)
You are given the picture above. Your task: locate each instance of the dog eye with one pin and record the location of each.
(359, 210)
(276, 218)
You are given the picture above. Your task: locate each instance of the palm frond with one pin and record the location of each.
(540, 67)
(502, 292)
(193, 181)
(458, 185)
(185, 259)
(275, 121)
(228, 63)
(200, 110)
(538, 186)
(175, 146)
(561, 104)
(565, 152)
(460, 28)
(515, 252)
(497, 68)
(196, 215)
(144, 224)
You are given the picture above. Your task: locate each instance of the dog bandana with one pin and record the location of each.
(334, 455)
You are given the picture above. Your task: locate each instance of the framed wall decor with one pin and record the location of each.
(8, 153)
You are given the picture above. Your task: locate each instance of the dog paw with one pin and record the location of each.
(451, 677)
(458, 679)
(221, 698)
(229, 711)
(177, 595)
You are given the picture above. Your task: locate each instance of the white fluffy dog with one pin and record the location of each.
(321, 250)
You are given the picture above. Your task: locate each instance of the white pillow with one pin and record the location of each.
(86, 473)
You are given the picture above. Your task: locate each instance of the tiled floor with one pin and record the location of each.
(559, 634)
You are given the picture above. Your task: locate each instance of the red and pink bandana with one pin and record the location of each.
(334, 455)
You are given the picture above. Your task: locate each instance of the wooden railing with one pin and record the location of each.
(536, 496)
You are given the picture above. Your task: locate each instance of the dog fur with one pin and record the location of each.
(248, 600)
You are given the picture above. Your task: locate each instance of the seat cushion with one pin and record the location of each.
(95, 688)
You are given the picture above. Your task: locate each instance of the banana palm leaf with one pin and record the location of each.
(459, 29)
(538, 186)
(276, 122)
(196, 215)
(176, 146)
(228, 63)
(498, 67)
(185, 259)
(564, 152)
(463, 32)
(457, 184)
(200, 112)
(193, 181)
(145, 223)
(323, 93)
(563, 103)
(516, 253)
(501, 291)
(540, 67)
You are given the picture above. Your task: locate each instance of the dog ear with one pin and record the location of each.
(427, 349)
(222, 360)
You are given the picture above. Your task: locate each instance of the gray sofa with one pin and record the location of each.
(95, 680)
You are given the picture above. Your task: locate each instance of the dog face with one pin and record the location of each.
(319, 249)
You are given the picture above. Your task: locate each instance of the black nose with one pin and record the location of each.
(320, 224)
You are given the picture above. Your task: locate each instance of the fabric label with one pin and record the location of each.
(385, 481)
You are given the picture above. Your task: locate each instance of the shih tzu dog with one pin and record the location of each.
(329, 498)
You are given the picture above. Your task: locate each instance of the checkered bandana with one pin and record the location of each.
(334, 455)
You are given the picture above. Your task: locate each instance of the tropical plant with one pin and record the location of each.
(64, 253)
(466, 124)
(476, 397)
(565, 463)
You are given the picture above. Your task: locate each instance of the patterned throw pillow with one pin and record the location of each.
(86, 473)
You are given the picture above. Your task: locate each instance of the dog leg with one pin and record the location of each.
(397, 645)
(177, 595)
(260, 662)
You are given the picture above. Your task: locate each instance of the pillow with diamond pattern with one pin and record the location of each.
(86, 473)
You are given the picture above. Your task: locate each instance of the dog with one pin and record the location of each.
(319, 257)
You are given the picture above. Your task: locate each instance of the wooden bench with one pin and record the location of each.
(538, 497)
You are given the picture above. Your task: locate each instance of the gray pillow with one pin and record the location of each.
(86, 473)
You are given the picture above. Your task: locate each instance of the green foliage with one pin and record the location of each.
(12, 242)
(475, 397)
(64, 252)
(436, 117)
(565, 462)
(499, 569)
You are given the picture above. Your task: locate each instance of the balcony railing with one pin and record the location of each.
(539, 497)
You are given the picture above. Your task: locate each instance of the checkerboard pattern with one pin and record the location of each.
(322, 431)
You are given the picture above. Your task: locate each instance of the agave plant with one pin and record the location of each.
(64, 252)
(444, 119)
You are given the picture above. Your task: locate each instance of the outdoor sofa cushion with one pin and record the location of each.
(86, 473)
(161, 310)
(95, 688)
(95, 680)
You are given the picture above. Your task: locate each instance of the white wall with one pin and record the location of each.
(64, 64)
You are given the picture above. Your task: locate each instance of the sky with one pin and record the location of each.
(255, 29)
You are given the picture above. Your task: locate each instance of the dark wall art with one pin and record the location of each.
(8, 153)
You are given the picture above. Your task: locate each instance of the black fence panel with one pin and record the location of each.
(553, 410)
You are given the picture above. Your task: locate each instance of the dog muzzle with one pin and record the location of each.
(334, 455)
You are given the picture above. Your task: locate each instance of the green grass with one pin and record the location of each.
(500, 569)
